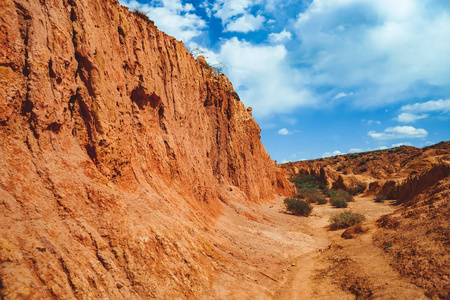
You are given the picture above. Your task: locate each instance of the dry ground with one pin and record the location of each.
(280, 256)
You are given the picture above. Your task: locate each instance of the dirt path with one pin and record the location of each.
(280, 256)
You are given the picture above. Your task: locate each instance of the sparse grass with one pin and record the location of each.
(380, 198)
(345, 219)
(218, 68)
(298, 207)
(143, 16)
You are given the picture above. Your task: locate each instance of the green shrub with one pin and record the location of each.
(322, 186)
(308, 181)
(310, 194)
(345, 219)
(341, 194)
(339, 202)
(330, 193)
(317, 198)
(322, 200)
(339, 168)
(298, 207)
(380, 198)
(362, 170)
(358, 189)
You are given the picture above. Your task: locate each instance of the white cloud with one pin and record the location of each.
(410, 118)
(227, 9)
(334, 153)
(172, 17)
(370, 122)
(342, 95)
(280, 37)
(355, 150)
(384, 50)
(382, 148)
(399, 132)
(283, 131)
(400, 144)
(274, 5)
(430, 106)
(246, 23)
(263, 78)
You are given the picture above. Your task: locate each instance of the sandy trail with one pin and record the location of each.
(280, 256)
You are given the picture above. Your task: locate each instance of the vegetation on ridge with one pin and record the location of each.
(143, 16)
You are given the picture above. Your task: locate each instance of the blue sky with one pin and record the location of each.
(326, 77)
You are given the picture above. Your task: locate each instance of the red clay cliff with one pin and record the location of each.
(118, 148)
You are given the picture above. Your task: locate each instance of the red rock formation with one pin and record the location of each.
(416, 235)
(418, 231)
(117, 148)
(384, 171)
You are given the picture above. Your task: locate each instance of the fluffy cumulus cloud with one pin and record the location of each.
(246, 23)
(172, 17)
(283, 131)
(410, 118)
(384, 50)
(430, 106)
(262, 77)
(399, 132)
(281, 37)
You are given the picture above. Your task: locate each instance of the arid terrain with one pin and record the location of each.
(418, 183)
(131, 170)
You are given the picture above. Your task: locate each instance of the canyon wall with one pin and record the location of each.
(118, 149)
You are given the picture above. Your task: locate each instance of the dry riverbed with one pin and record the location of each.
(275, 255)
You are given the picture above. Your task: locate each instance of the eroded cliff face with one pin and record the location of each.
(118, 149)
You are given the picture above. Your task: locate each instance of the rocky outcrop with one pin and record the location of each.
(118, 150)
(418, 231)
(384, 171)
(416, 183)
